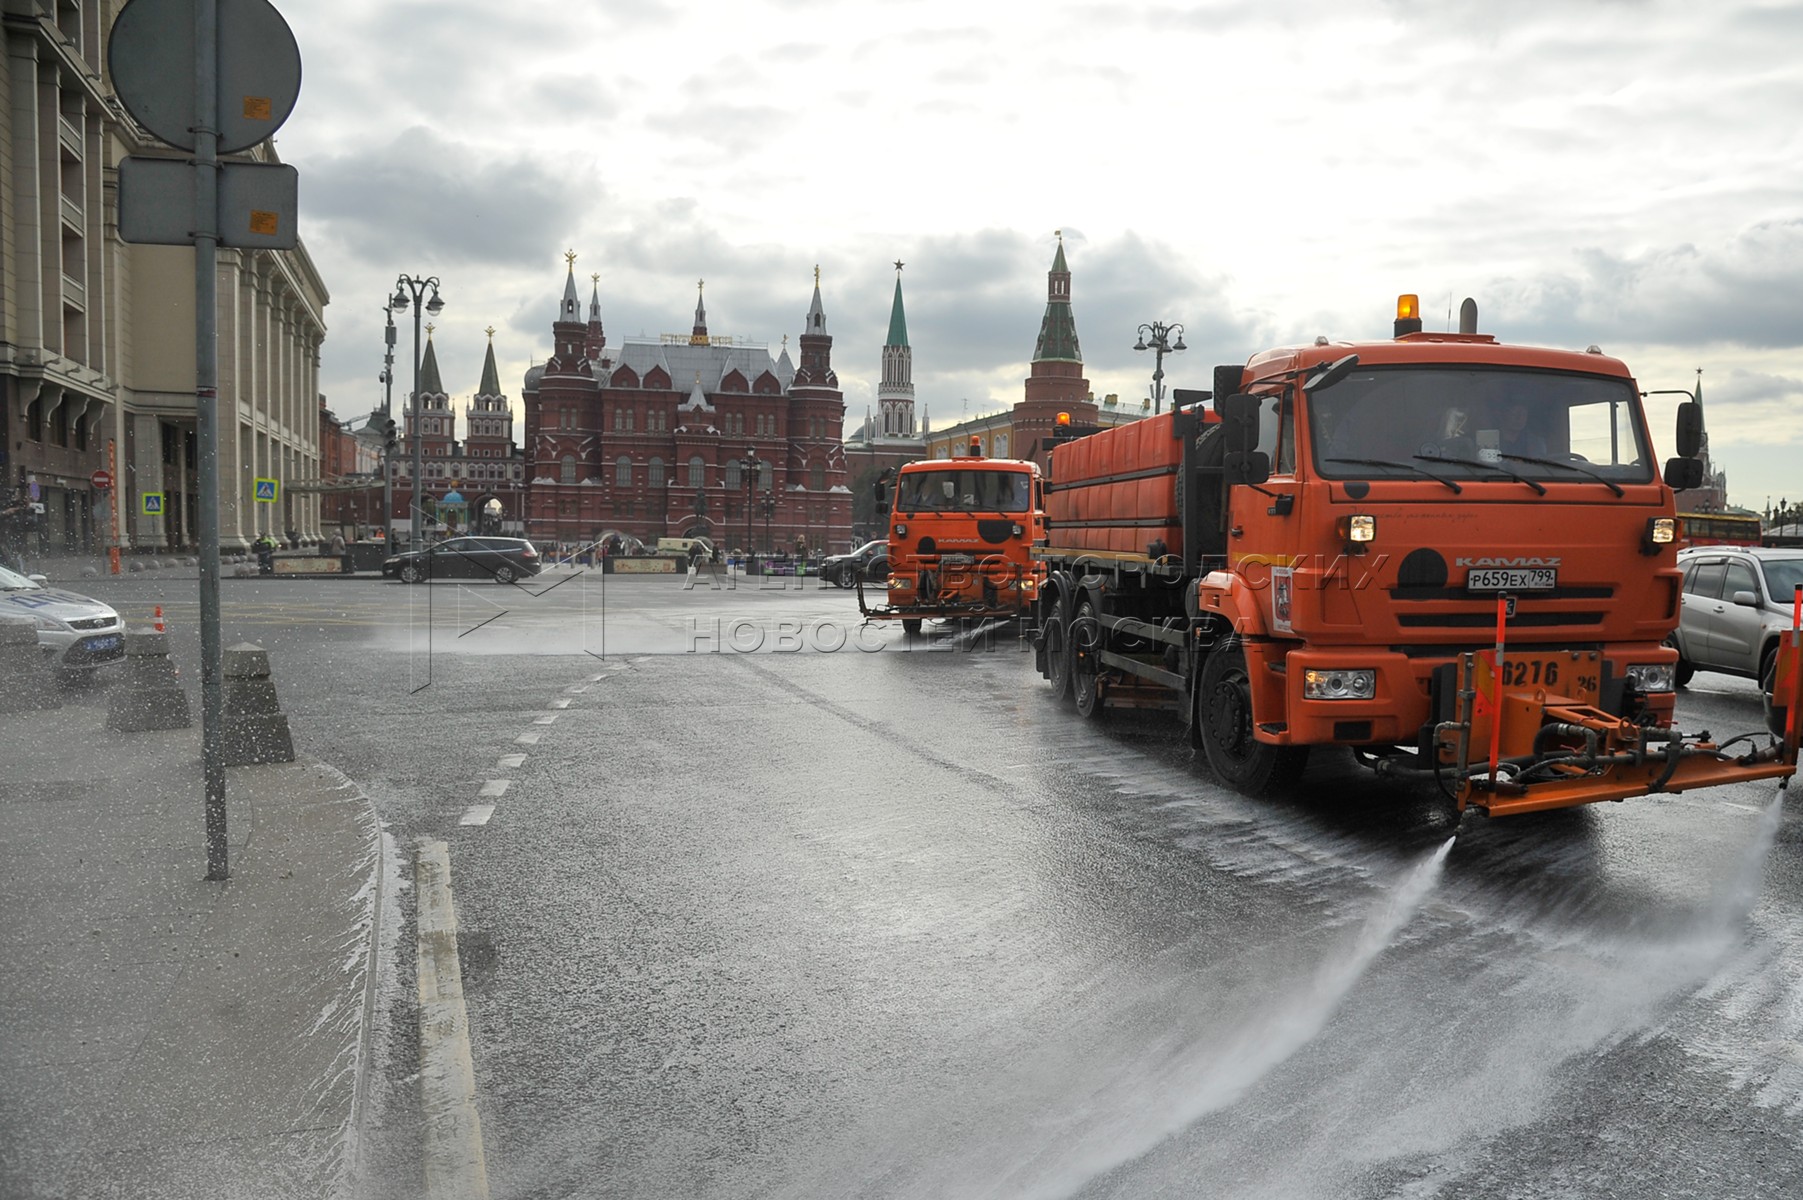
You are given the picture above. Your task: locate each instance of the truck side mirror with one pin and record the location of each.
(1683, 473)
(1690, 428)
(1239, 422)
(1247, 466)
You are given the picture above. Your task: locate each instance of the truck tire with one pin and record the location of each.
(911, 627)
(1685, 670)
(1057, 654)
(1085, 639)
(1776, 715)
(1223, 722)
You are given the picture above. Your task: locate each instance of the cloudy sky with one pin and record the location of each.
(1625, 173)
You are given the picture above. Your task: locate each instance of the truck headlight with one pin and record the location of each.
(1360, 527)
(901, 583)
(1651, 677)
(1661, 530)
(1359, 683)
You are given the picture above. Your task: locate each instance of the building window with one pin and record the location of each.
(569, 468)
(817, 477)
(655, 475)
(34, 420)
(622, 471)
(697, 471)
(763, 477)
(735, 475)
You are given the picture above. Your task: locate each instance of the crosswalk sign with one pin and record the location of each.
(153, 504)
(267, 490)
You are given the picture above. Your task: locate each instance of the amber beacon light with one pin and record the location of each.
(1408, 314)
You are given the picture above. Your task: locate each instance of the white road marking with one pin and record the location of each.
(511, 760)
(577, 689)
(547, 719)
(529, 738)
(454, 1166)
(494, 787)
(596, 678)
(559, 704)
(477, 814)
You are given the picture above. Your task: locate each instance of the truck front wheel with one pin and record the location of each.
(1223, 721)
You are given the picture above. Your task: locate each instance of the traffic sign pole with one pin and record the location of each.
(112, 507)
(206, 407)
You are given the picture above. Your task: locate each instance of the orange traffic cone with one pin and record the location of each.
(159, 624)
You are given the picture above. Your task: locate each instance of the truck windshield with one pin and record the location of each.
(1475, 423)
(963, 490)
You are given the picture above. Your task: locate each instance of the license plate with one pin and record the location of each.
(109, 642)
(1511, 579)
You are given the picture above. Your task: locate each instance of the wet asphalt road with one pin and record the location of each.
(879, 922)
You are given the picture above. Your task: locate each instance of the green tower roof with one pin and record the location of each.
(898, 321)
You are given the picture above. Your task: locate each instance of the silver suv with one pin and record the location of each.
(1736, 605)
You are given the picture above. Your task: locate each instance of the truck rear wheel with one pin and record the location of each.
(1223, 722)
(1057, 655)
(1085, 640)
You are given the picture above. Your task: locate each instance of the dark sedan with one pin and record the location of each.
(501, 559)
(870, 560)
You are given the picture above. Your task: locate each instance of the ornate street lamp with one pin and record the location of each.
(409, 291)
(769, 506)
(388, 439)
(1155, 336)
(750, 464)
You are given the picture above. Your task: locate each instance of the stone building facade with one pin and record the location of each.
(97, 336)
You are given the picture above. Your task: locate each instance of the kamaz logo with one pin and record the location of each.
(1507, 562)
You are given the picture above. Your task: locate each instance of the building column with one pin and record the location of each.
(145, 474)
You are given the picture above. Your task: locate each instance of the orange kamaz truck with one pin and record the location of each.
(1453, 556)
(961, 533)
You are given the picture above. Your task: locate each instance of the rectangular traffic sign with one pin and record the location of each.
(267, 491)
(152, 504)
(257, 203)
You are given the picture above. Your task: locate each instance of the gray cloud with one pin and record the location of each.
(1740, 291)
(421, 196)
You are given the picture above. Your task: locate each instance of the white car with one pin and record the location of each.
(79, 632)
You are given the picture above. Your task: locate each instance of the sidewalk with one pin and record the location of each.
(162, 1036)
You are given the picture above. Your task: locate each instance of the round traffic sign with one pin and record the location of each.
(101, 480)
(257, 66)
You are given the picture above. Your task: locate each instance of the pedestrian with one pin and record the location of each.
(338, 552)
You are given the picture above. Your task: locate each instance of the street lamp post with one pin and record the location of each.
(749, 464)
(1155, 336)
(409, 291)
(387, 439)
(769, 503)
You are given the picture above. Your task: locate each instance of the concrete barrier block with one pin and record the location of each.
(248, 739)
(246, 661)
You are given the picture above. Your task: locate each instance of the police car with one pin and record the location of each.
(79, 632)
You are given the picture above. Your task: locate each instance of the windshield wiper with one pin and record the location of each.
(1570, 466)
(1401, 466)
(1481, 464)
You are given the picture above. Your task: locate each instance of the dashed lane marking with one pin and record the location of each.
(454, 1166)
(547, 719)
(477, 814)
(529, 738)
(494, 788)
(508, 761)
(560, 704)
(577, 689)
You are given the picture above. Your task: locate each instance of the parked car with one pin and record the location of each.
(78, 632)
(871, 560)
(501, 559)
(1735, 606)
